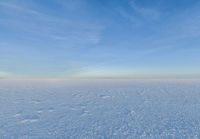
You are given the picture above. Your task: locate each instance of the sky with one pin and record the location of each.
(99, 38)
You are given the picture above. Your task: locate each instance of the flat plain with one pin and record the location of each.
(100, 109)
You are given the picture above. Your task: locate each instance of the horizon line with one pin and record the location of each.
(102, 77)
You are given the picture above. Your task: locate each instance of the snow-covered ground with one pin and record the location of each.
(99, 109)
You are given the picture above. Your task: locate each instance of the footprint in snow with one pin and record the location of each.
(30, 119)
(85, 113)
(51, 109)
(77, 95)
(40, 111)
(36, 101)
(105, 96)
(18, 114)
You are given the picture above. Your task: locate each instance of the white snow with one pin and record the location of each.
(99, 109)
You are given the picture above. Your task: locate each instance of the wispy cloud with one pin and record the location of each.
(70, 37)
(138, 14)
(147, 13)
(66, 29)
(7, 6)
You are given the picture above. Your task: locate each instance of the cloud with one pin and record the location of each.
(176, 31)
(70, 5)
(147, 13)
(15, 7)
(138, 14)
(43, 26)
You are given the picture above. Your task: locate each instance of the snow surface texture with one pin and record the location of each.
(99, 109)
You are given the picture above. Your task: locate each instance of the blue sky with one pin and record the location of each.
(99, 38)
